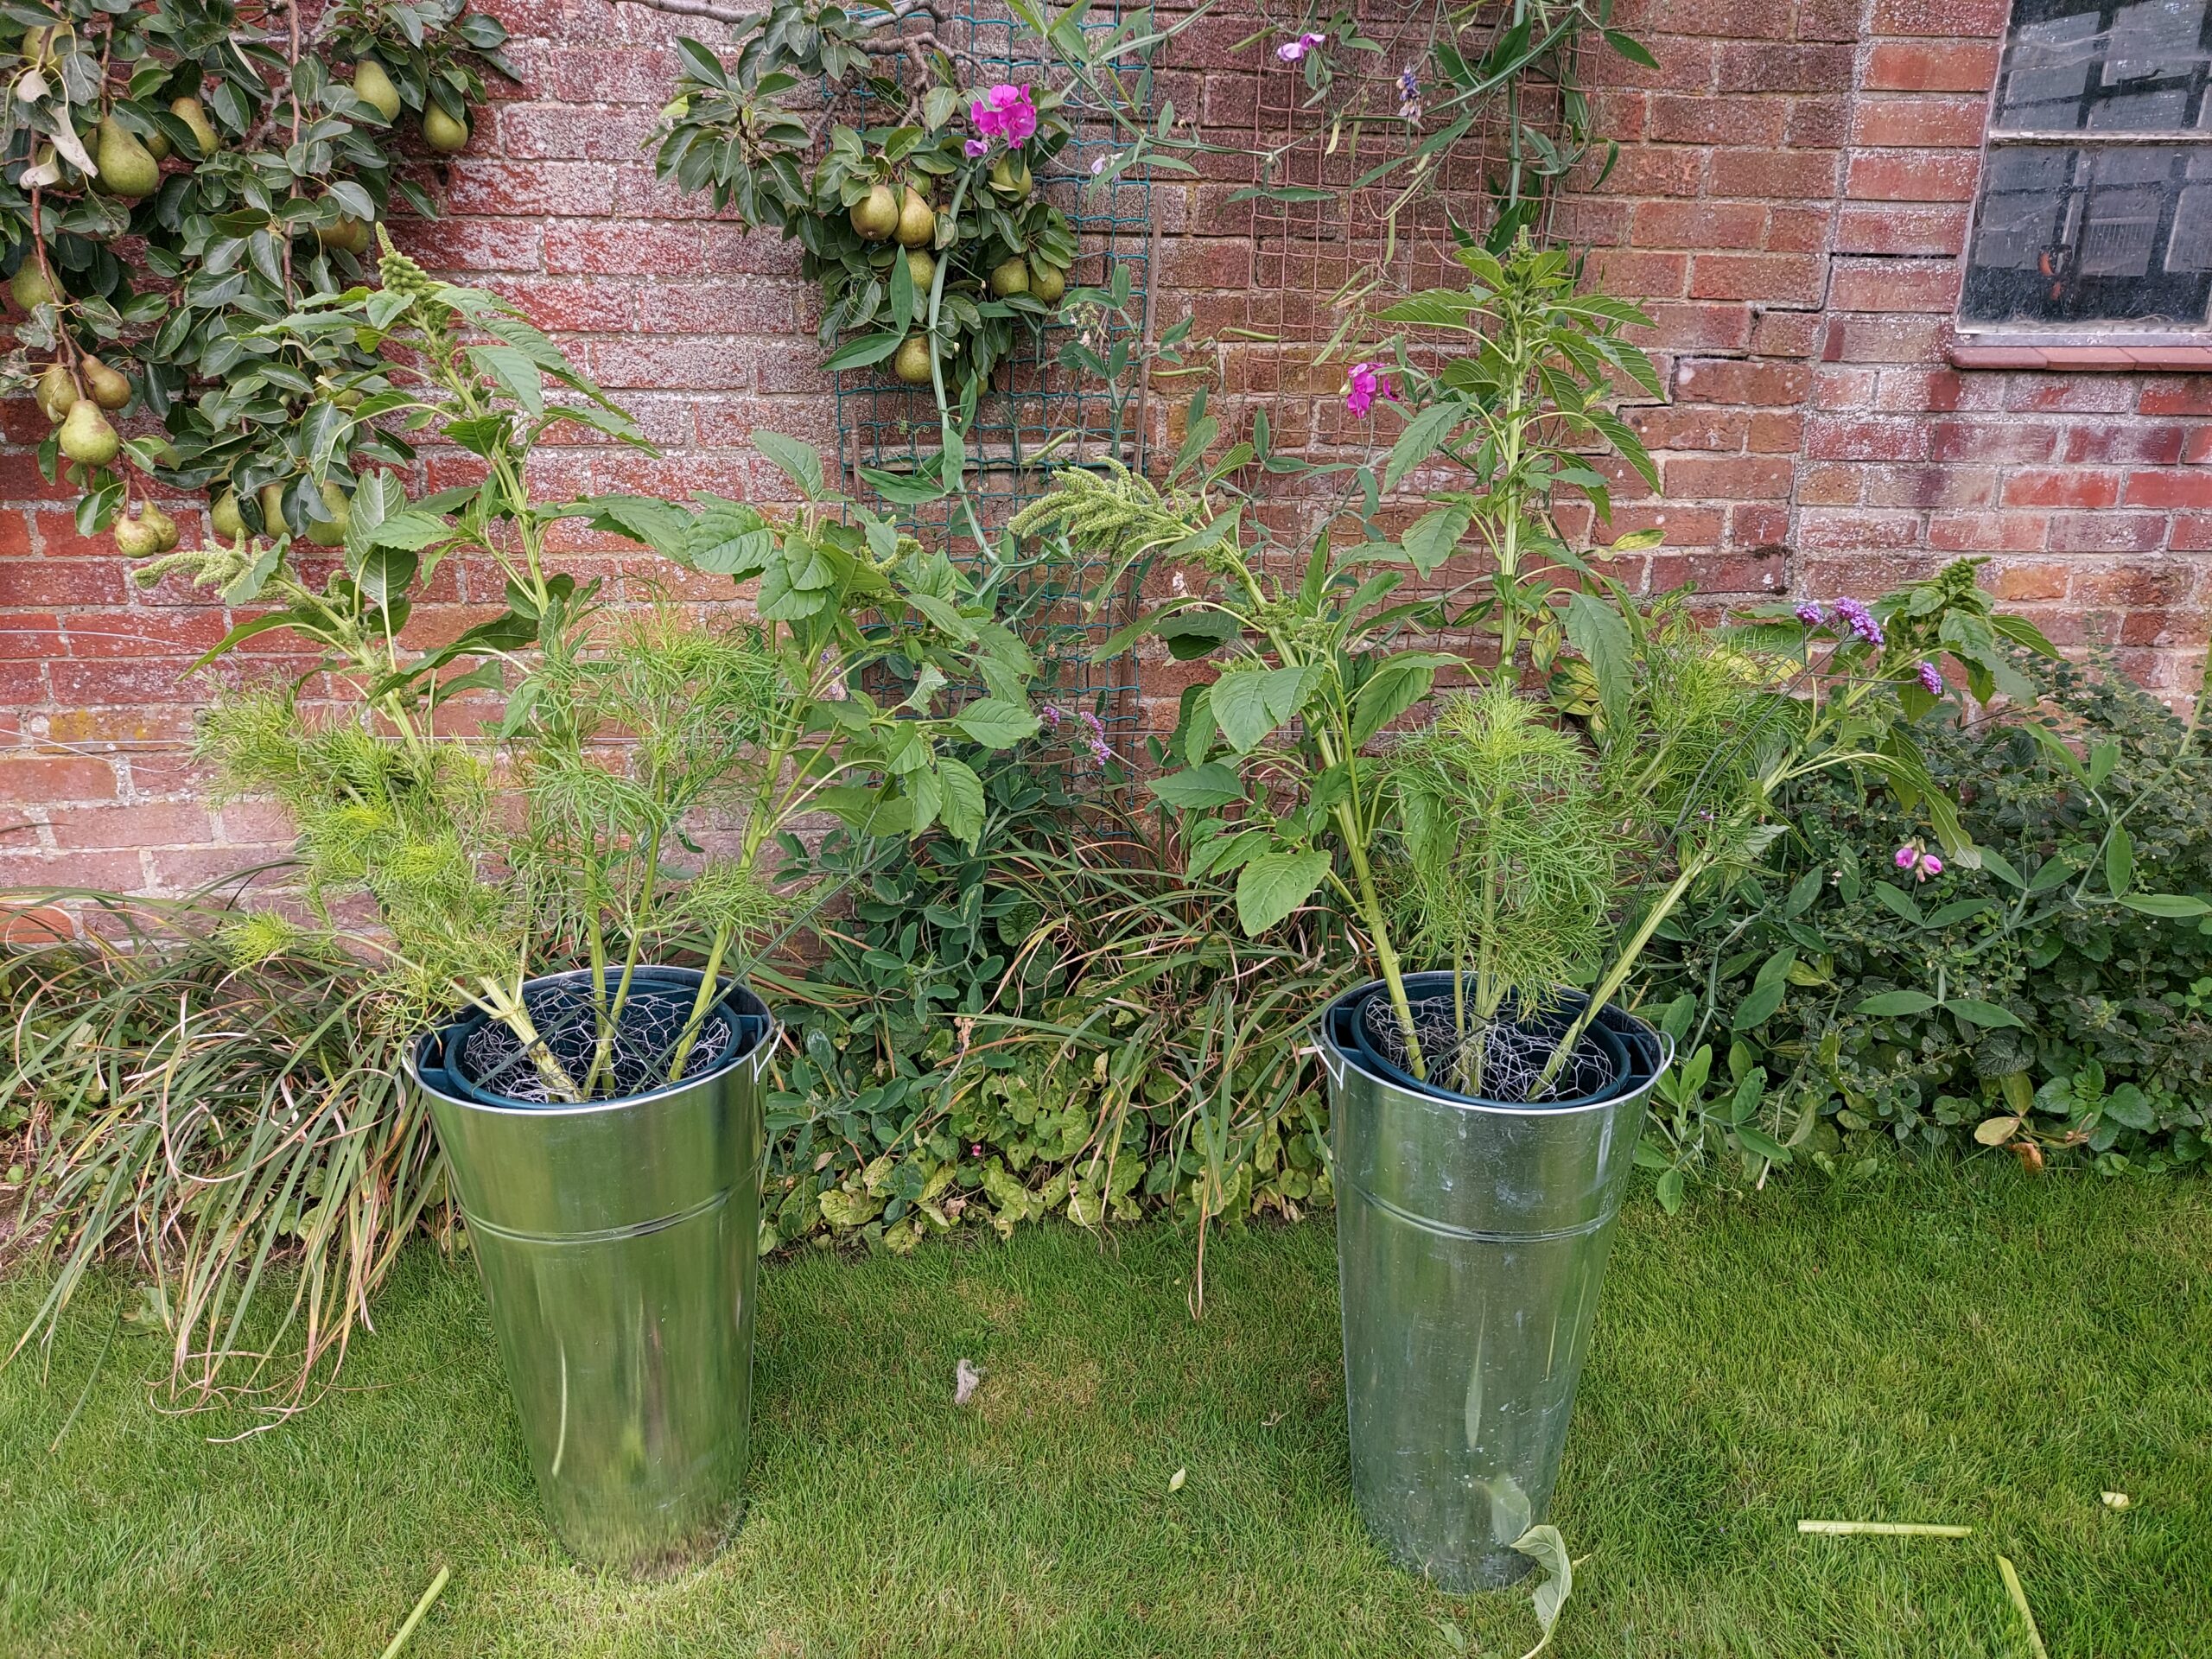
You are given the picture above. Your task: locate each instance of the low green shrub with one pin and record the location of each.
(2058, 998)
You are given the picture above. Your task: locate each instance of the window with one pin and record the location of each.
(2096, 196)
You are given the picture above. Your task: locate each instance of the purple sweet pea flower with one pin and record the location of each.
(1931, 865)
(978, 148)
(1292, 51)
(1005, 111)
(1908, 855)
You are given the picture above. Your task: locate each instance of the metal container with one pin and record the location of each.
(620, 1243)
(1472, 1240)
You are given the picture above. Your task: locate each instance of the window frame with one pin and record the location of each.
(2011, 342)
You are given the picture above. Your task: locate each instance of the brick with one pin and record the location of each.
(1784, 174)
(1882, 175)
(1902, 229)
(2106, 532)
(26, 779)
(1929, 66)
(1673, 120)
(2158, 445)
(1987, 532)
(624, 250)
(1733, 380)
(1744, 478)
(1758, 66)
(2065, 486)
(1865, 438)
(1895, 285)
(2150, 581)
(1919, 122)
(2191, 488)
(160, 824)
(1941, 19)
(2001, 441)
(1782, 278)
(1698, 224)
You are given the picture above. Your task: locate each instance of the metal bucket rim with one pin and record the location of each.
(737, 993)
(1328, 1047)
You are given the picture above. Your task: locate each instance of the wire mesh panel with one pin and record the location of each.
(1037, 414)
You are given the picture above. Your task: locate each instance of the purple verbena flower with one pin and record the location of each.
(1050, 716)
(1931, 679)
(1810, 613)
(1860, 621)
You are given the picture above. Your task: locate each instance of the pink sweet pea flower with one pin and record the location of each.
(1368, 380)
(1006, 112)
(1292, 51)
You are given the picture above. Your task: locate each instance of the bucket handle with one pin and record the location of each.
(1332, 1062)
(764, 1048)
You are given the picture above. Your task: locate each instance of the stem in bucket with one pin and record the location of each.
(709, 982)
(1617, 976)
(510, 1011)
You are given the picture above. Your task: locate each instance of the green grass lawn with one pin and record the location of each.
(1981, 1349)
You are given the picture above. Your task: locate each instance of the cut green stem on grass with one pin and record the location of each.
(1883, 1529)
(2021, 1600)
(421, 1608)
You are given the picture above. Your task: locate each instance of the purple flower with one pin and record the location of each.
(977, 146)
(1931, 679)
(1922, 863)
(1408, 95)
(1860, 621)
(1005, 111)
(1908, 855)
(1292, 51)
(1368, 379)
(1811, 615)
(1050, 716)
(1931, 865)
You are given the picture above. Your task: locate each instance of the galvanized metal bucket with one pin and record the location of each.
(1472, 1240)
(619, 1245)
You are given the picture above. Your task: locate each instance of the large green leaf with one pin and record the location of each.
(800, 462)
(1889, 1005)
(1274, 885)
(960, 804)
(1197, 788)
(1423, 435)
(1601, 634)
(996, 723)
(1434, 537)
(1250, 703)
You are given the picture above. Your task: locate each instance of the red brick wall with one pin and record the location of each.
(1790, 202)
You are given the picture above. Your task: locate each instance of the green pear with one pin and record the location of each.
(86, 436)
(158, 144)
(1009, 177)
(876, 216)
(28, 287)
(227, 521)
(272, 510)
(163, 527)
(138, 538)
(346, 232)
(917, 222)
(1047, 283)
(331, 532)
(912, 363)
(128, 170)
(193, 114)
(373, 85)
(921, 265)
(442, 133)
(1009, 278)
(108, 389)
(56, 392)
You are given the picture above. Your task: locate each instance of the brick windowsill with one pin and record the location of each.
(2109, 358)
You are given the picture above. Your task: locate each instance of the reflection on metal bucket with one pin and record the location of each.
(1472, 1241)
(619, 1244)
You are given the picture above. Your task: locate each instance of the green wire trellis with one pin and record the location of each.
(1039, 415)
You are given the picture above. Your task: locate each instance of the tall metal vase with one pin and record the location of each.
(1472, 1241)
(619, 1245)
